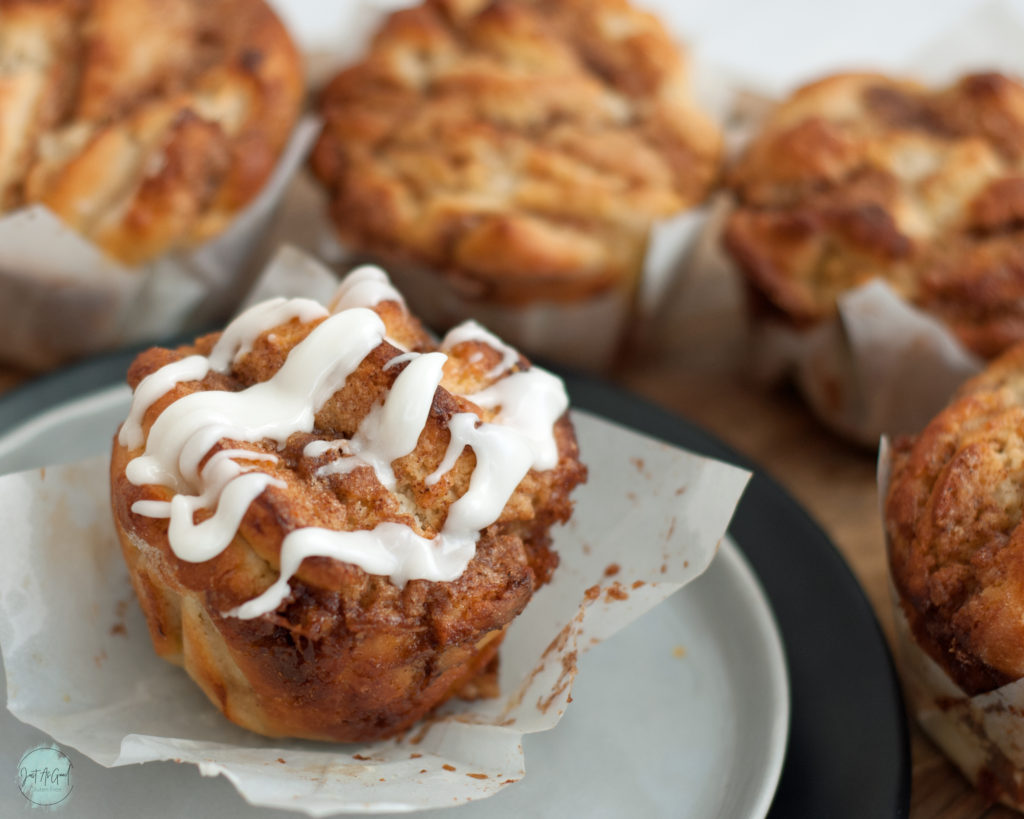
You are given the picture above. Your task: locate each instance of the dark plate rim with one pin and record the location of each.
(844, 691)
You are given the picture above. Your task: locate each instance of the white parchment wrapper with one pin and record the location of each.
(882, 366)
(80, 665)
(62, 298)
(982, 735)
(584, 334)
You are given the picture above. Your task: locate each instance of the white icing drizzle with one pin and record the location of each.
(366, 286)
(530, 401)
(472, 331)
(235, 341)
(248, 455)
(391, 430)
(239, 335)
(503, 457)
(154, 387)
(399, 359)
(520, 437)
(391, 549)
(225, 483)
(186, 431)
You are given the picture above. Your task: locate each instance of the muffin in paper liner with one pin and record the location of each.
(983, 735)
(62, 298)
(145, 145)
(413, 512)
(132, 707)
(883, 360)
(520, 190)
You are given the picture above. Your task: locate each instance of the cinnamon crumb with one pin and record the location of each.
(415, 756)
(592, 593)
(561, 684)
(478, 776)
(611, 570)
(637, 584)
(615, 592)
(280, 760)
(448, 767)
(361, 758)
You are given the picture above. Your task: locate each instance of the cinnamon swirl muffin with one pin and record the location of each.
(329, 520)
(953, 523)
(513, 152)
(859, 176)
(953, 520)
(145, 125)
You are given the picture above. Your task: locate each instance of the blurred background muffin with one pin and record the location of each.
(509, 158)
(143, 125)
(146, 127)
(859, 176)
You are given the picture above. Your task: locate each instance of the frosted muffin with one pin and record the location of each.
(859, 176)
(511, 154)
(329, 520)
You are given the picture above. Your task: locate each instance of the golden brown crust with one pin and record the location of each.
(521, 147)
(861, 175)
(348, 656)
(953, 518)
(145, 125)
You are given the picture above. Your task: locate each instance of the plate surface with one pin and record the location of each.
(705, 731)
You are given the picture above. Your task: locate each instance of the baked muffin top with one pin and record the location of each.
(522, 147)
(953, 518)
(466, 414)
(145, 125)
(862, 175)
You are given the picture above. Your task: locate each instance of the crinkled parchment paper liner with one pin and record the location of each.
(881, 366)
(982, 735)
(586, 333)
(62, 298)
(81, 668)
